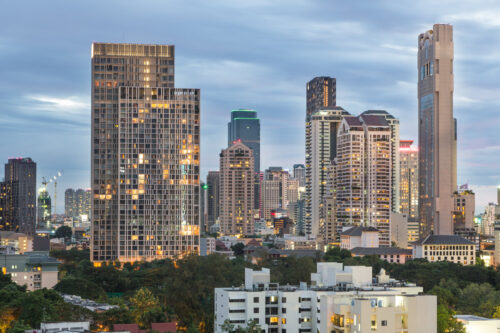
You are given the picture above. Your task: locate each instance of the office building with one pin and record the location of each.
(19, 196)
(145, 155)
(299, 173)
(44, 209)
(321, 150)
(245, 126)
(35, 270)
(445, 248)
(212, 198)
(408, 185)
(236, 190)
(437, 131)
(364, 174)
(339, 299)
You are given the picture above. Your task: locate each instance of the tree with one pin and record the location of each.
(227, 326)
(19, 327)
(145, 307)
(6, 318)
(81, 287)
(64, 232)
(253, 327)
(238, 249)
(446, 323)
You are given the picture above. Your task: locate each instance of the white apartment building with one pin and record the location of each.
(339, 299)
(476, 324)
(445, 248)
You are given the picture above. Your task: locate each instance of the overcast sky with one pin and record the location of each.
(246, 54)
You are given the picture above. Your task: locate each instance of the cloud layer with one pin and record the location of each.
(254, 54)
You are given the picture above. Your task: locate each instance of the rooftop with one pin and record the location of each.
(443, 240)
(380, 251)
(356, 231)
(374, 120)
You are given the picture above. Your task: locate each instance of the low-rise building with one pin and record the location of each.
(359, 237)
(21, 242)
(476, 324)
(62, 326)
(207, 246)
(36, 270)
(290, 242)
(445, 248)
(390, 254)
(339, 299)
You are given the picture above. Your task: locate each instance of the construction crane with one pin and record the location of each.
(54, 180)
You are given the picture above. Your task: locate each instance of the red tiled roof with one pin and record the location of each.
(132, 328)
(164, 327)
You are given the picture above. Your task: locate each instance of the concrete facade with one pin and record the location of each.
(236, 190)
(145, 156)
(437, 130)
(36, 270)
(321, 150)
(339, 299)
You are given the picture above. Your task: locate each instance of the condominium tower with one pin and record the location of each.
(408, 188)
(321, 150)
(437, 130)
(364, 174)
(320, 91)
(393, 123)
(274, 191)
(236, 190)
(145, 155)
(19, 196)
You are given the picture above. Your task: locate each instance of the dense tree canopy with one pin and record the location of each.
(183, 290)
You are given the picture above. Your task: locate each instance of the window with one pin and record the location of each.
(383, 323)
(256, 300)
(283, 299)
(255, 310)
(283, 310)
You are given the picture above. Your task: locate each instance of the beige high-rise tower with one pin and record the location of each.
(236, 196)
(145, 155)
(437, 131)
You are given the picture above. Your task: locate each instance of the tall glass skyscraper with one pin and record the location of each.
(245, 127)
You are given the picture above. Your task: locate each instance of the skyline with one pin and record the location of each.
(303, 40)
